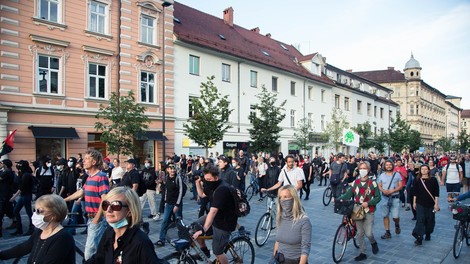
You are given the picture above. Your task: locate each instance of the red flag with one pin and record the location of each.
(8, 144)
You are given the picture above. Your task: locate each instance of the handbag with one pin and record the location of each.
(358, 212)
(390, 200)
(279, 257)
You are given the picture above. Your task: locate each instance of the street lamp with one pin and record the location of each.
(166, 3)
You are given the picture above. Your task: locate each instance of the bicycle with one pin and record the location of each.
(461, 213)
(239, 249)
(253, 188)
(346, 230)
(327, 195)
(265, 224)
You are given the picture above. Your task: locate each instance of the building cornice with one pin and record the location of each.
(98, 50)
(51, 41)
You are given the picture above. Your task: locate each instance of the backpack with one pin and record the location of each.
(242, 206)
(336, 177)
(456, 165)
(142, 188)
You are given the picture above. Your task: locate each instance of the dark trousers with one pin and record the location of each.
(306, 187)
(425, 220)
(402, 196)
(23, 201)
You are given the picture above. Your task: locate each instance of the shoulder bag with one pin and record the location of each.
(426, 188)
(390, 200)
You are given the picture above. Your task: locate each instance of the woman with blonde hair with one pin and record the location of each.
(51, 243)
(293, 239)
(123, 241)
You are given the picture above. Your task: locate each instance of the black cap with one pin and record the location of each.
(7, 163)
(23, 163)
(62, 161)
(132, 161)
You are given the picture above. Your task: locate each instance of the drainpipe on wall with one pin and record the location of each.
(119, 59)
(238, 98)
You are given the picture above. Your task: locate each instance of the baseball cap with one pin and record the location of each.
(132, 161)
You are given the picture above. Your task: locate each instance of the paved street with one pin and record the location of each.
(399, 249)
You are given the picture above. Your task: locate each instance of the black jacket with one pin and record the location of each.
(149, 176)
(134, 247)
(6, 184)
(229, 176)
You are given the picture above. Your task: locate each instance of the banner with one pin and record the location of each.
(350, 138)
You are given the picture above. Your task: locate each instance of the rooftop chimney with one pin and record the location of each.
(349, 70)
(268, 35)
(391, 68)
(228, 16)
(256, 30)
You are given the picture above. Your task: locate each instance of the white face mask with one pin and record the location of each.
(48, 165)
(147, 165)
(363, 173)
(38, 221)
(70, 164)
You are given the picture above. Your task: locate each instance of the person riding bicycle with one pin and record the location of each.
(221, 219)
(338, 174)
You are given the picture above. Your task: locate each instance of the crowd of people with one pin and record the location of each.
(109, 199)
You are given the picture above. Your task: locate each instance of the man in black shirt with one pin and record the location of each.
(221, 219)
(131, 178)
(6, 183)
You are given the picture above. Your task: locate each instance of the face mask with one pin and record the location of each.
(211, 185)
(363, 173)
(234, 165)
(70, 164)
(147, 165)
(48, 165)
(287, 206)
(273, 163)
(38, 221)
(60, 167)
(121, 223)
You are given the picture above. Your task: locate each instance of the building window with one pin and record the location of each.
(50, 147)
(96, 80)
(252, 113)
(48, 75)
(417, 109)
(322, 96)
(346, 103)
(193, 65)
(310, 119)
(369, 109)
(381, 112)
(253, 79)
(274, 84)
(337, 100)
(50, 10)
(147, 87)
(322, 124)
(191, 111)
(310, 93)
(147, 30)
(412, 109)
(98, 17)
(225, 72)
(375, 111)
(359, 107)
(292, 118)
(292, 88)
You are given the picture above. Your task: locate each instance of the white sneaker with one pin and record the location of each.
(157, 217)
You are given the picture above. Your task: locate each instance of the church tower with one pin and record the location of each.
(412, 70)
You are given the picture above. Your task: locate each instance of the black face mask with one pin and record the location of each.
(210, 186)
(273, 163)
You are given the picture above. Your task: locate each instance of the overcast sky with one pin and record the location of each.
(368, 34)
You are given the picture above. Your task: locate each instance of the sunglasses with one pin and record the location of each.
(115, 205)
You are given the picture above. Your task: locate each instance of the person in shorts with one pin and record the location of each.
(221, 219)
(390, 184)
(452, 176)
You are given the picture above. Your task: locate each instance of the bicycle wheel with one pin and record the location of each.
(240, 250)
(468, 233)
(249, 192)
(327, 194)
(339, 243)
(263, 229)
(458, 240)
(179, 258)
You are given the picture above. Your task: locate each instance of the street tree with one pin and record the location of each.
(210, 117)
(414, 140)
(334, 128)
(379, 142)
(302, 134)
(464, 141)
(266, 120)
(122, 120)
(398, 134)
(444, 143)
(365, 134)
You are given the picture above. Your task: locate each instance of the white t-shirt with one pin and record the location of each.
(262, 169)
(294, 175)
(117, 173)
(452, 173)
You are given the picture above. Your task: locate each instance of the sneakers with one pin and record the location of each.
(387, 235)
(407, 208)
(160, 243)
(375, 248)
(151, 216)
(361, 257)
(397, 229)
(419, 242)
(157, 217)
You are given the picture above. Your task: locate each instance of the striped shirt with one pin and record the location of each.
(94, 188)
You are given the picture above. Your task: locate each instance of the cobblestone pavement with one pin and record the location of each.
(399, 249)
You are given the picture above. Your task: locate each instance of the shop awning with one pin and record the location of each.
(152, 135)
(54, 132)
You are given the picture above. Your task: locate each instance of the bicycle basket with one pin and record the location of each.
(180, 244)
(344, 207)
(460, 212)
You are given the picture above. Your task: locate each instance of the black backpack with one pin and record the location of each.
(242, 206)
(142, 188)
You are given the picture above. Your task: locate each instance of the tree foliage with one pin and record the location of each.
(379, 142)
(364, 131)
(444, 143)
(414, 140)
(302, 134)
(265, 131)
(334, 128)
(211, 112)
(398, 134)
(123, 119)
(464, 141)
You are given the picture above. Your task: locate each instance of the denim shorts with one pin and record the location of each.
(394, 210)
(453, 187)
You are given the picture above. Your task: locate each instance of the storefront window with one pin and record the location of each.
(49, 148)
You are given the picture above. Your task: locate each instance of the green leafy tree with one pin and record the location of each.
(398, 134)
(265, 131)
(463, 141)
(302, 134)
(211, 112)
(414, 140)
(123, 120)
(334, 128)
(379, 142)
(444, 143)
(365, 133)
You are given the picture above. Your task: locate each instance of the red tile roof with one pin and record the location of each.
(201, 29)
(381, 76)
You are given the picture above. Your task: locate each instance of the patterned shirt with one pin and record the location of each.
(94, 188)
(364, 191)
